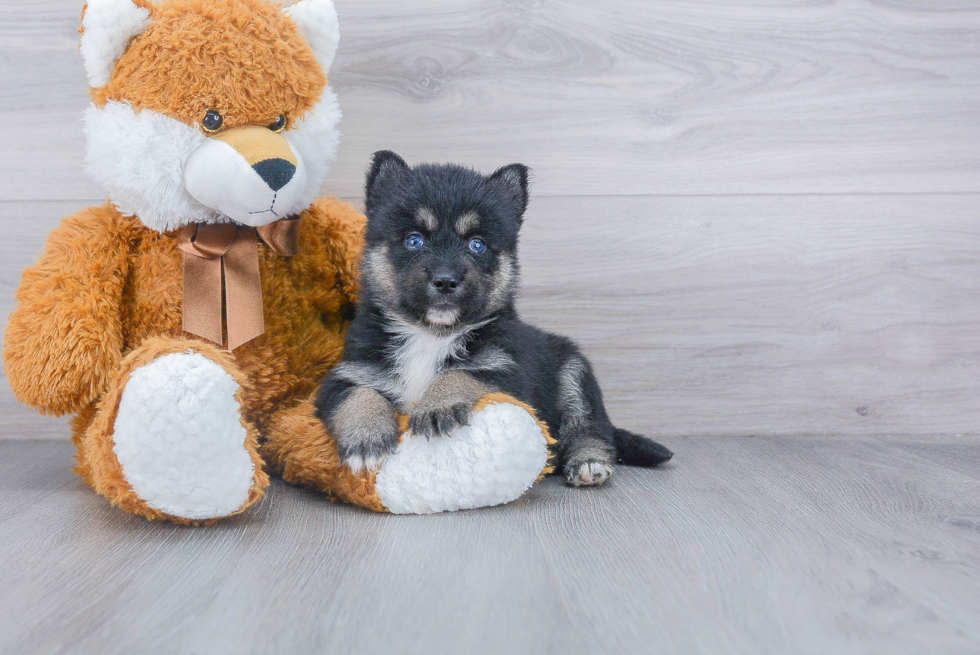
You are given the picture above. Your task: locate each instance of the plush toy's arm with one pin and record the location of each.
(64, 338)
(341, 227)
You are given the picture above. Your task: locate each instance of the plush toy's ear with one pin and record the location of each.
(386, 169)
(107, 28)
(514, 181)
(318, 24)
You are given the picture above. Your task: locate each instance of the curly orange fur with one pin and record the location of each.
(105, 295)
(243, 58)
(70, 296)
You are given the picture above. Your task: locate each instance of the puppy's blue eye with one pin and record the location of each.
(414, 241)
(477, 246)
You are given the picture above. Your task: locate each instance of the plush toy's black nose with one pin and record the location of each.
(276, 172)
(446, 283)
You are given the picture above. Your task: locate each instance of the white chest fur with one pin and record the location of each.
(419, 357)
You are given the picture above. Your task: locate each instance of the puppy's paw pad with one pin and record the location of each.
(587, 474)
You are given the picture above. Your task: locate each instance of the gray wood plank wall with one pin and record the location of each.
(758, 217)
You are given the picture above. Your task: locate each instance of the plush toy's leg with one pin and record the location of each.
(493, 460)
(299, 448)
(168, 439)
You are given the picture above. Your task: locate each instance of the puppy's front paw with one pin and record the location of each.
(447, 404)
(435, 419)
(367, 448)
(588, 473)
(365, 430)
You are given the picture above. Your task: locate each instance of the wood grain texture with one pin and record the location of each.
(729, 315)
(623, 97)
(741, 545)
(767, 314)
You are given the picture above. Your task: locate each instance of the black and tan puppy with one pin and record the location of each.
(436, 326)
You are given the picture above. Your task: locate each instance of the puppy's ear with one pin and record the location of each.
(386, 169)
(513, 180)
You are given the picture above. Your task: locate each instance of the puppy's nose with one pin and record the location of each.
(275, 172)
(446, 283)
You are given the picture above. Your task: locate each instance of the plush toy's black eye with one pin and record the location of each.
(212, 121)
(279, 124)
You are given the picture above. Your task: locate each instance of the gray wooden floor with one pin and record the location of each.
(744, 545)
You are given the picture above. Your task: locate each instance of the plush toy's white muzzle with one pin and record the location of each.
(250, 174)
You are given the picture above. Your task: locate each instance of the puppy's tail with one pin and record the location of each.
(637, 450)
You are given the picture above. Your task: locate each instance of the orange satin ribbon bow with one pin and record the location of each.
(229, 253)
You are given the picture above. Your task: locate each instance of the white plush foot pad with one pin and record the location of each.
(180, 439)
(491, 461)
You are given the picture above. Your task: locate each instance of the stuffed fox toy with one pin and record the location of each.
(186, 322)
